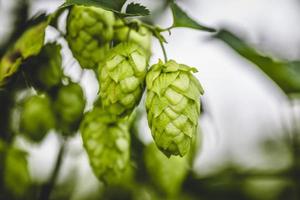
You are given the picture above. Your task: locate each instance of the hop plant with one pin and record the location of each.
(107, 143)
(122, 78)
(173, 106)
(138, 35)
(37, 117)
(69, 106)
(166, 173)
(89, 33)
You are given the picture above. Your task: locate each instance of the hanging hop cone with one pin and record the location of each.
(167, 174)
(173, 106)
(122, 78)
(138, 35)
(45, 70)
(89, 32)
(69, 106)
(107, 143)
(37, 117)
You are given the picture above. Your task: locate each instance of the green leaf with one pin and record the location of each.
(113, 5)
(181, 19)
(137, 9)
(284, 73)
(27, 45)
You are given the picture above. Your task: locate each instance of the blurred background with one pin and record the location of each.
(249, 122)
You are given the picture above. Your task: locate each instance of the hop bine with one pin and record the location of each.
(89, 33)
(122, 78)
(173, 106)
(107, 143)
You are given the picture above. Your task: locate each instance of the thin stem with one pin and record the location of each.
(161, 42)
(48, 187)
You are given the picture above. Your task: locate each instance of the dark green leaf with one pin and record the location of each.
(137, 9)
(181, 19)
(285, 74)
(113, 5)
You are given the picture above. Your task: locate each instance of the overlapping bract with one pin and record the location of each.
(37, 117)
(173, 106)
(89, 32)
(107, 143)
(122, 77)
(140, 36)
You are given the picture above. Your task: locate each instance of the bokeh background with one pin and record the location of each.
(246, 117)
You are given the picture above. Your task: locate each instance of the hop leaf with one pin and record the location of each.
(173, 106)
(89, 32)
(166, 173)
(37, 117)
(122, 78)
(137, 9)
(107, 143)
(27, 45)
(69, 106)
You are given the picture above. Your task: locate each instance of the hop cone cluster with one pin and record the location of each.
(166, 173)
(173, 106)
(37, 117)
(107, 143)
(89, 32)
(69, 106)
(122, 78)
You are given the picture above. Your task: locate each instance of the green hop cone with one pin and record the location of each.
(140, 35)
(173, 106)
(107, 143)
(37, 117)
(16, 174)
(121, 78)
(69, 106)
(167, 174)
(89, 33)
(47, 71)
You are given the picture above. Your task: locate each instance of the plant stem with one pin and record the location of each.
(48, 187)
(163, 49)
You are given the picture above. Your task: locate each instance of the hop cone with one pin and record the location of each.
(173, 106)
(89, 32)
(69, 106)
(122, 78)
(166, 173)
(16, 177)
(46, 68)
(37, 117)
(107, 143)
(140, 36)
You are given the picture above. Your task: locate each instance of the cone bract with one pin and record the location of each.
(37, 117)
(122, 77)
(89, 32)
(173, 106)
(107, 143)
(140, 36)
